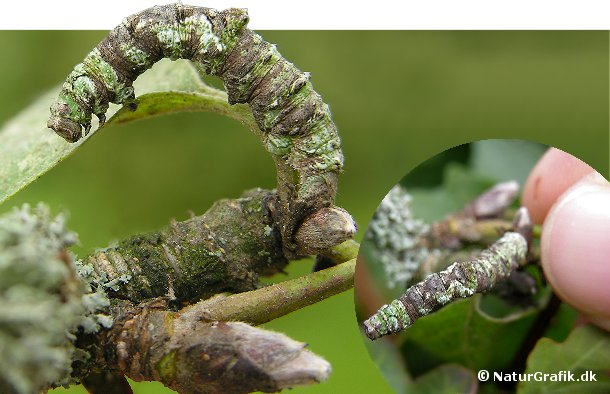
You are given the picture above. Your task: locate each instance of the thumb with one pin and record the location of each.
(575, 248)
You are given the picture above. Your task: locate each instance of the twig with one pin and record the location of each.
(268, 303)
(460, 280)
(225, 249)
(148, 342)
(255, 307)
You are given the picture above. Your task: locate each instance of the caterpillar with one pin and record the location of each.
(296, 124)
(460, 280)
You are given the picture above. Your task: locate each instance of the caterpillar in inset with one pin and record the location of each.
(460, 280)
(296, 124)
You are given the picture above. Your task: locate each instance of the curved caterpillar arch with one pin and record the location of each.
(296, 124)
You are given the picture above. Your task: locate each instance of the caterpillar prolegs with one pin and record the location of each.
(296, 124)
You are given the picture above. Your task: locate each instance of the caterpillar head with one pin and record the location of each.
(62, 123)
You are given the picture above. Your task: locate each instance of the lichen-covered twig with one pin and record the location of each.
(224, 250)
(286, 365)
(295, 124)
(40, 300)
(89, 338)
(460, 280)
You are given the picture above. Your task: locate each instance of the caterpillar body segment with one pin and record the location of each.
(296, 125)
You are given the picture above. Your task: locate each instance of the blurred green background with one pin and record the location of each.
(398, 98)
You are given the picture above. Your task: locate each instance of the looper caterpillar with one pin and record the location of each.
(460, 280)
(296, 125)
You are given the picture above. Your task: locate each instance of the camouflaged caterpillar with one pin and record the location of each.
(296, 124)
(460, 280)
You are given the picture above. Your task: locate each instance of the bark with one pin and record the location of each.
(226, 249)
(186, 354)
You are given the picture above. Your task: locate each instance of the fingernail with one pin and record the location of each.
(575, 246)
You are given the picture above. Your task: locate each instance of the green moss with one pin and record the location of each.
(166, 367)
(204, 263)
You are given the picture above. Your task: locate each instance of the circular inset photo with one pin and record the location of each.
(462, 286)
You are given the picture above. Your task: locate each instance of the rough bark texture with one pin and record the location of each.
(225, 249)
(459, 280)
(82, 336)
(296, 127)
(148, 342)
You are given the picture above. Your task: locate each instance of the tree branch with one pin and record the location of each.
(262, 305)
(148, 342)
(255, 306)
(225, 249)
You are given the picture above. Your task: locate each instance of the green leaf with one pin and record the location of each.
(460, 186)
(505, 159)
(562, 323)
(388, 359)
(460, 333)
(586, 349)
(490, 162)
(28, 148)
(446, 379)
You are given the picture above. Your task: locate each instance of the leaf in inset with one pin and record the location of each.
(505, 159)
(587, 348)
(388, 359)
(446, 379)
(460, 333)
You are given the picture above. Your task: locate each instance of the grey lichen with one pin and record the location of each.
(45, 300)
(40, 300)
(394, 235)
(95, 300)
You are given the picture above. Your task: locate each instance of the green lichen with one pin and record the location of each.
(135, 55)
(45, 299)
(94, 64)
(394, 238)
